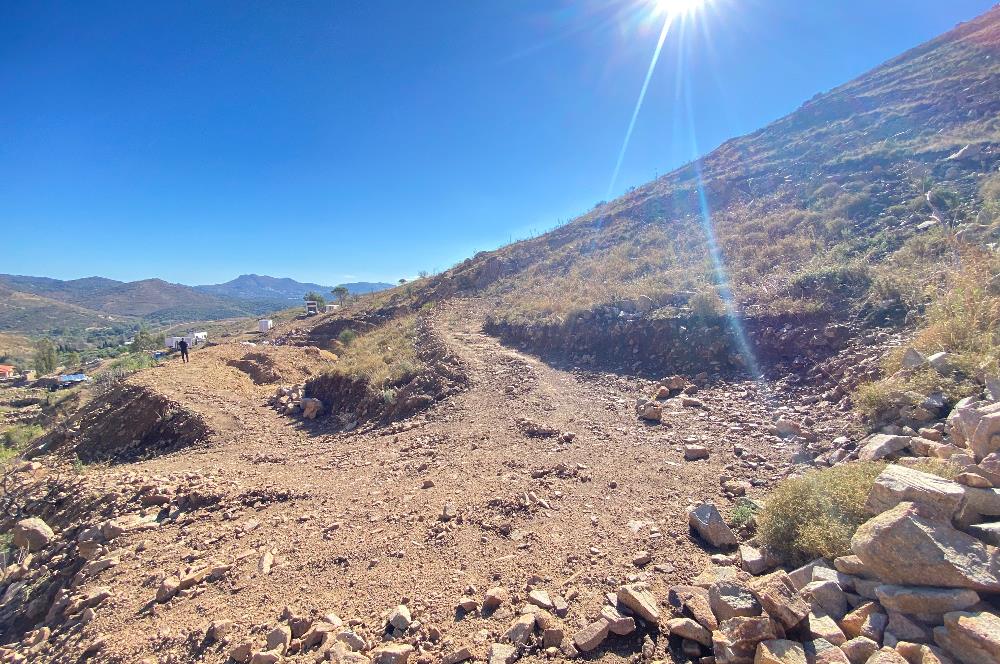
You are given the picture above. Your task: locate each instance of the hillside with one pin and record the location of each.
(262, 287)
(29, 313)
(40, 305)
(852, 199)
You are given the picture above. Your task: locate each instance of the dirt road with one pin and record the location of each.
(458, 500)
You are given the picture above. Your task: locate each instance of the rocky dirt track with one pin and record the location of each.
(532, 477)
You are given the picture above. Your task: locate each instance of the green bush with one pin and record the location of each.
(347, 336)
(816, 514)
(744, 514)
(20, 435)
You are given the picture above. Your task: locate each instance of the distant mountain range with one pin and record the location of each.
(39, 305)
(258, 287)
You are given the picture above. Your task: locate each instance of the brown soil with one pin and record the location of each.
(355, 533)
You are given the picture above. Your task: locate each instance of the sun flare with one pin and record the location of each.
(678, 7)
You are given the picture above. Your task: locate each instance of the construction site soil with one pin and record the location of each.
(519, 475)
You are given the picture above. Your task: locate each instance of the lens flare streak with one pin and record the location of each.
(638, 104)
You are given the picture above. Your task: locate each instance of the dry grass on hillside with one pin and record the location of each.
(962, 320)
(384, 356)
(778, 256)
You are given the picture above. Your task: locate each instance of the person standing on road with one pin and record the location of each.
(183, 345)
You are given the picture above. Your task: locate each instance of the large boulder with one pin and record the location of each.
(973, 638)
(922, 600)
(921, 653)
(939, 498)
(859, 649)
(821, 651)
(780, 651)
(779, 598)
(979, 503)
(730, 599)
(735, 642)
(902, 547)
(880, 445)
(868, 620)
(637, 598)
(311, 408)
(32, 534)
(977, 424)
(710, 525)
(826, 597)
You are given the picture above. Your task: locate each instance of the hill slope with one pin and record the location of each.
(39, 304)
(35, 314)
(853, 197)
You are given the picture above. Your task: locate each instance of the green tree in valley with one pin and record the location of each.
(145, 340)
(46, 358)
(341, 293)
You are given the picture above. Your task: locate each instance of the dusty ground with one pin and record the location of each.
(353, 530)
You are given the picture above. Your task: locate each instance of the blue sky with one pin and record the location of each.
(338, 141)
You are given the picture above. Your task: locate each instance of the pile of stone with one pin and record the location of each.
(324, 638)
(291, 400)
(967, 437)
(920, 586)
(671, 394)
(53, 582)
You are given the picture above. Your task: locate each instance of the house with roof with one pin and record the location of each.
(7, 371)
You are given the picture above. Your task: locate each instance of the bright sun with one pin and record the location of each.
(678, 7)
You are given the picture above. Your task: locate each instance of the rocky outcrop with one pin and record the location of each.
(900, 546)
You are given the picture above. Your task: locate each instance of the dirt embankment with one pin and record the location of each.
(128, 423)
(354, 399)
(690, 345)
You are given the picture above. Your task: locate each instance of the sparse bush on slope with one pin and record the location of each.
(816, 514)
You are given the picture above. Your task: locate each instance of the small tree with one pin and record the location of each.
(315, 297)
(402, 281)
(45, 359)
(146, 340)
(341, 293)
(423, 274)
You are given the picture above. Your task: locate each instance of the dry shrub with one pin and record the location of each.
(965, 318)
(384, 356)
(707, 303)
(873, 399)
(816, 514)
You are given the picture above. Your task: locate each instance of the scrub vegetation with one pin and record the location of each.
(815, 514)
(383, 357)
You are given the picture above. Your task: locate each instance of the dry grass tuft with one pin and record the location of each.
(816, 514)
(939, 467)
(964, 319)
